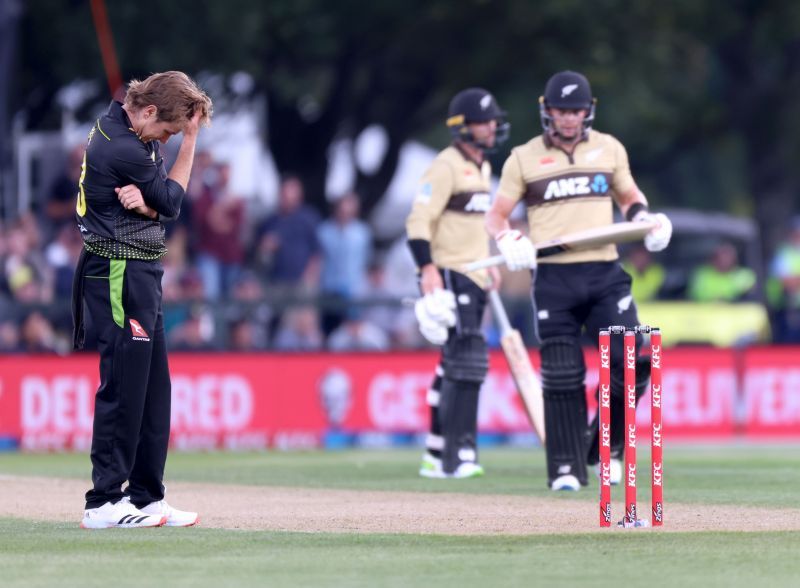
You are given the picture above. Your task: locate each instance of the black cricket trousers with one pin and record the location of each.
(122, 301)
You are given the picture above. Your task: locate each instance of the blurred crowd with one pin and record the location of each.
(291, 279)
(234, 278)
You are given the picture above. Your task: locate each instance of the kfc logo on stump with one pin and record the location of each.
(657, 474)
(656, 435)
(605, 396)
(605, 434)
(137, 331)
(605, 355)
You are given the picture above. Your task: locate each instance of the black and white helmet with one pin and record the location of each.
(567, 90)
(475, 105)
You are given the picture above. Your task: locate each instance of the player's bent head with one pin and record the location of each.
(176, 96)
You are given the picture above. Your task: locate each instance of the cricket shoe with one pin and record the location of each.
(173, 516)
(120, 514)
(467, 469)
(615, 471)
(566, 482)
(431, 467)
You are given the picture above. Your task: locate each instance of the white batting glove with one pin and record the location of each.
(658, 238)
(517, 250)
(435, 313)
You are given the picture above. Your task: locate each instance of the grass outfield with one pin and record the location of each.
(47, 554)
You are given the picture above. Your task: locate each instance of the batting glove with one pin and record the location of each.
(435, 313)
(517, 249)
(658, 238)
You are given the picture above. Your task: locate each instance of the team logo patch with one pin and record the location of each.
(137, 331)
(424, 193)
(486, 101)
(568, 89)
(593, 154)
(599, 184)
(547, 161)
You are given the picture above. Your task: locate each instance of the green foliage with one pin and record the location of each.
(701, 93)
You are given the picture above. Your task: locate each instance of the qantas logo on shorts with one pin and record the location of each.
(138, 333)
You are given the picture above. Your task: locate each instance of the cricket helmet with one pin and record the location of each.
(476, 105)
(567, 90)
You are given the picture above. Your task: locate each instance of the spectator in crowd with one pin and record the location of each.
(381, 308)
(5, 292)
(26, 272)
(784, 286)
(286, 242)
(219, 221)
(358, 334)
(9, 336)
(722, 279)
(59, 209)
(62, 256)
(246, 334)
(648, 275)
(346, 244)
(299, 330)
(37, 335)
(196, 333)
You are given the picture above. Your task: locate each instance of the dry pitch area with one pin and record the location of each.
(226, 506)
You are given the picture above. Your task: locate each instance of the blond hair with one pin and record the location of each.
(175, 95)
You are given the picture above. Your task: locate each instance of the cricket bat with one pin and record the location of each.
(613, 233)
(528, 385)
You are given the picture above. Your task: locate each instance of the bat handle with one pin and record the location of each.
(484, 263)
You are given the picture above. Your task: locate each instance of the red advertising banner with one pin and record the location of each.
(771, 406)
(253, 401)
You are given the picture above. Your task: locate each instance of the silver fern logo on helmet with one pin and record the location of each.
(569, 89)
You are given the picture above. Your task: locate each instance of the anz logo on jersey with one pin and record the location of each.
(480, 202)
(576, 186)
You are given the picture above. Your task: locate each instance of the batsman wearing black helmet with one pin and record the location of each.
(445, 231)
(570, 177)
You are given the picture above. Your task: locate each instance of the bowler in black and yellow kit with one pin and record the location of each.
(124, 196)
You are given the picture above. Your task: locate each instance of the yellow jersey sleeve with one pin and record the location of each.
(433, 194)
(512, 184)
(623, 179)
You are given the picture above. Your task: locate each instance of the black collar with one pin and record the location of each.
(457, 144)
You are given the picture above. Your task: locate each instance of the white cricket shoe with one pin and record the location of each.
(173, 516)
(567, 482)
(468, 469)
(431, 467)
(615, 471)
(120, 514)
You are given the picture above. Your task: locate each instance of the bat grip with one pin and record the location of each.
(484, 263)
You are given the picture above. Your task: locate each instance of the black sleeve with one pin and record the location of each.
(160, 193)
(421, 250)
(635, 209)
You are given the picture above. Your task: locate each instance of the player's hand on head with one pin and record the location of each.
(658, 238)
(517, 250)
(192, 127)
